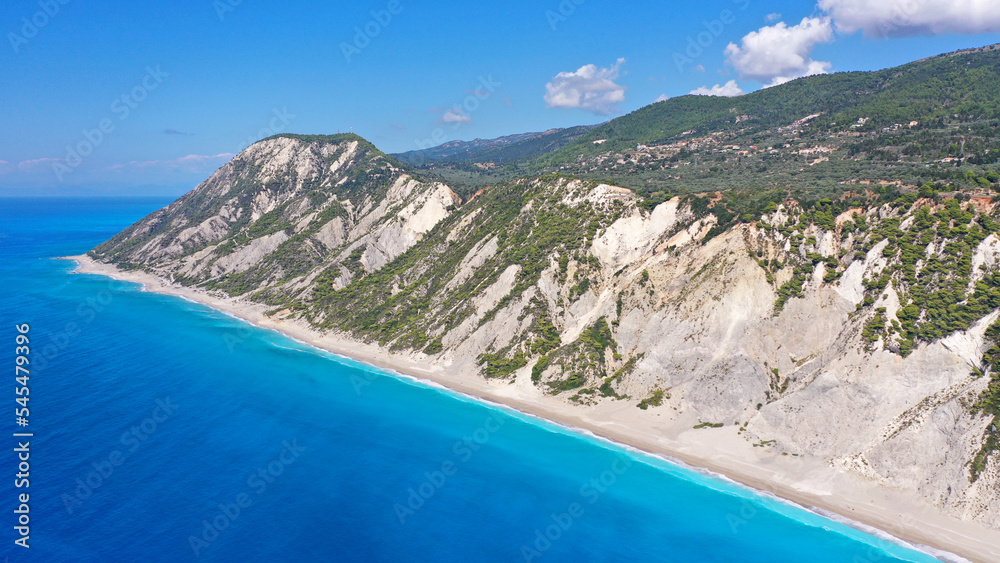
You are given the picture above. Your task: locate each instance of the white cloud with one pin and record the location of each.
(779, 53)
(661, 98)
(189, 162)
(203, 157)
(699, 68)
(814, 67)
(455, 117)
(36, 164)
(773, 17)
(900, 18)
(729, 90)
(590, 88)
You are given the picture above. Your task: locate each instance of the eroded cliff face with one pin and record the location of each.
(282, 211)
(807, 378)
(862, 339)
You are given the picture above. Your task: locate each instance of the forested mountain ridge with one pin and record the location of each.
(501, 149)
(953, 87)
(933, 120)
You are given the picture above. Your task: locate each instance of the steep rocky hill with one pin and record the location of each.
(281, 212)
(861, 331)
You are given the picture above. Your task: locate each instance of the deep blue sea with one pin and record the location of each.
(167, 431)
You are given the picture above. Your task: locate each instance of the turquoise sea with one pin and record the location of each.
(164, 430)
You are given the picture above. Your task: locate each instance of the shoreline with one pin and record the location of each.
(808, 483)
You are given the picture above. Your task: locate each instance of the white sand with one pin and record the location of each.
(806, 481)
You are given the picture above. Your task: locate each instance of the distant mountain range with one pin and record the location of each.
(501, 150)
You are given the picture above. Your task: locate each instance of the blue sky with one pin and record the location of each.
(160, 96)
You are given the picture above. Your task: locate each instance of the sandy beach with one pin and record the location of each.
(809, 482)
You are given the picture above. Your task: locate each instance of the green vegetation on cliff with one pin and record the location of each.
(874, 189)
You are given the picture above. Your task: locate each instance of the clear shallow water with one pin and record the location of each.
(167, 431)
